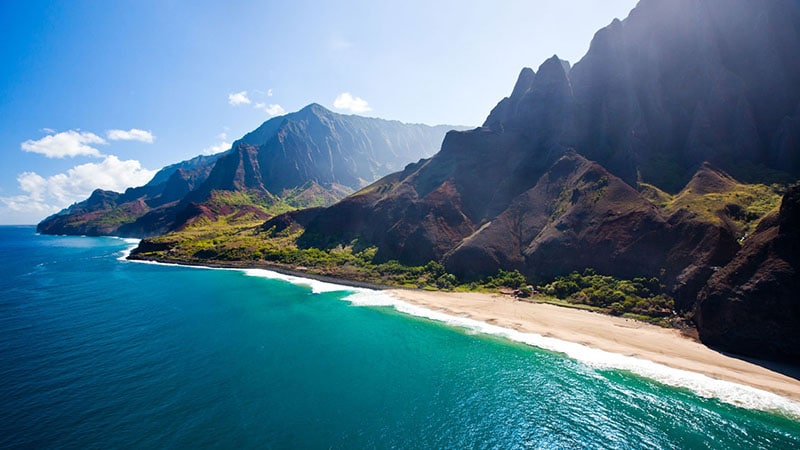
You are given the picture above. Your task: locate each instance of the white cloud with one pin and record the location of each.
(221, 147)
(272, 109)
(46, 130)
(353, 104)
(70, 143)
(21, 209)
(133, 134)
(238, 98)
(42, 196)
(269, 92)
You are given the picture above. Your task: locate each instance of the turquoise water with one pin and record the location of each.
(100, 353)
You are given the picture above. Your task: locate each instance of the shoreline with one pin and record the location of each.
(627, 337)
(615, 338)
(283, 270)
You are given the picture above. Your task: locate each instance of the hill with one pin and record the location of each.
(312, 157)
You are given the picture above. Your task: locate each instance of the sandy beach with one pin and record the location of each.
(613, 334)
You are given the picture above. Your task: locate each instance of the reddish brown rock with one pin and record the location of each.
(751, 306)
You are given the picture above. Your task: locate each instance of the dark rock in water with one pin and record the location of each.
(751, 306)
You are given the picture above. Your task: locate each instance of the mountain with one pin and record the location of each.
(623, 163)
(751, 305)
(112, 213)
(673, 85)
(312, 157)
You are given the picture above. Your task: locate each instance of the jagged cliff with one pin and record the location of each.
(679, 95)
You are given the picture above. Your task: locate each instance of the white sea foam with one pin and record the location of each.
(316, 286)
(127, 252)
(702, 385)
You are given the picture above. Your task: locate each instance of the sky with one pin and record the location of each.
(102, 94)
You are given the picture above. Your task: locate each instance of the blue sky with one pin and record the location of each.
(102, 93)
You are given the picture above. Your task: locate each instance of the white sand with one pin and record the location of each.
(612, 334)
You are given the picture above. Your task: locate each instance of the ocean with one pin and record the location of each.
(99, 352)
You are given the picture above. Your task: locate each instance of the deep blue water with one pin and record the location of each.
(101, 353)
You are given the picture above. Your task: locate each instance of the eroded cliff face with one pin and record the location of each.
(752, 305)
(676, 96)
(685, 81)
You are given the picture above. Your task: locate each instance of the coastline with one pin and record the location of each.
(618, 343)
(628, 337)
(281, 269)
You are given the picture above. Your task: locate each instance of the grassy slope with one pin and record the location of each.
(739, 206)
(238, 238)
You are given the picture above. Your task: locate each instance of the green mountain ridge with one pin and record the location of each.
(312, 157)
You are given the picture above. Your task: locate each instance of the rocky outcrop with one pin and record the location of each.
(751, 306)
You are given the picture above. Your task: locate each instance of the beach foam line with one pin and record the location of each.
(133, 243)
(702, 385)
(317, 287)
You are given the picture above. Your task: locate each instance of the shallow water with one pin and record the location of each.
(97, 353)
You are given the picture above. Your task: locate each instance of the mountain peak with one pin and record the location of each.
(315, 107)
(553, 69)
(709, 179)
(524, 82)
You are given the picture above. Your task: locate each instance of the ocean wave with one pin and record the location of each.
(133, 243)
(317, 287)
(701, 385)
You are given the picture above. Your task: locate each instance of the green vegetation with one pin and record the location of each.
(104, 219)
(638, 298)
(654, 194)
(233, 235)
(742, 205)
(739, 206)
(231, 241)
(513, 279)
(306, 196)
(592, 189)
(117, 217)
